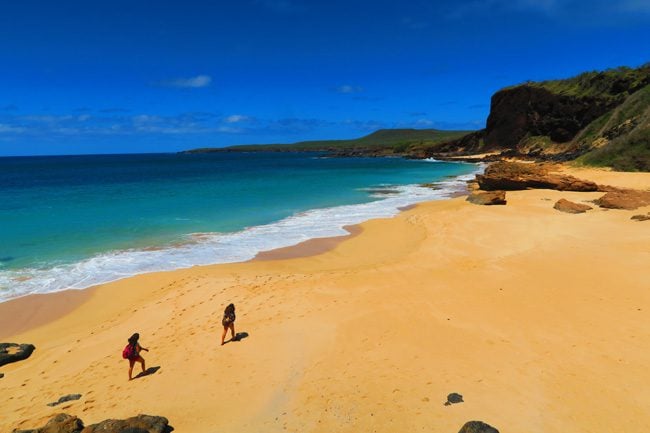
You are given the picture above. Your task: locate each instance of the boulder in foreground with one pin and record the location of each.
(511, 176)
(477, 427)
(564, 205)
(12, 352)
(60, 423)
(634, 217)
(64, 423)
(487, 198)
(628, 199)
(139, 424)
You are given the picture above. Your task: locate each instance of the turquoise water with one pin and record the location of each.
(74, 221)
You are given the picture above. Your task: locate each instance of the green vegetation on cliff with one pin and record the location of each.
(601, 118)
(614, 83)
(621, 138)
(598, 118)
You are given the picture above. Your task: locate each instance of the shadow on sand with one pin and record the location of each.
(149, 371)
(238, 337)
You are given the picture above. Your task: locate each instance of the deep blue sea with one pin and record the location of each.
(76, 221)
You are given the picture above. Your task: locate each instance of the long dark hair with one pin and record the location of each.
(230, 309)
(133, 340)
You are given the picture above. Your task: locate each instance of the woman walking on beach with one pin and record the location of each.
(132, 353)
(228, 322)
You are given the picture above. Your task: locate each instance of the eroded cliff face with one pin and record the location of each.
(601, 117)
(525, 111)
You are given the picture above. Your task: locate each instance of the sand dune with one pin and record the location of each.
(538, 318)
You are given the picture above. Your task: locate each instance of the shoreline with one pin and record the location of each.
(533, 315)
(183, 255)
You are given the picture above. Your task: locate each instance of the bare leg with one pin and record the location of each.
(143, 369)
(223, 336)
(232, 330)
(131, 370)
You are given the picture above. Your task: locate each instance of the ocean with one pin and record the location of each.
(76, 221)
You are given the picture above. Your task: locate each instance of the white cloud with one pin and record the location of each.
(8, 129)
(348, 89)
(640, 6)
(188, 83)
(236, 118)
(424, 122)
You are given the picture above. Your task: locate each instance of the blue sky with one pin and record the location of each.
(133, 76)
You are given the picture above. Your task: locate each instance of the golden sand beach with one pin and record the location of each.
(540, 319)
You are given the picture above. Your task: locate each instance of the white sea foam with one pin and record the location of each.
(212, 248)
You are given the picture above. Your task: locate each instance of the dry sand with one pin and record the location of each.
(538, 318)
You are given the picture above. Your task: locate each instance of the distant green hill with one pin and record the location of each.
(596, 118)
(381, 142)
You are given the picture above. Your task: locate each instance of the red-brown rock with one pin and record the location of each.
(517, 176)
(628, 199)
(567, 206)
(641, 217)
(487, 198)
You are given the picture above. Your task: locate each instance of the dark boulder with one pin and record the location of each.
(61, 423)
(477, 427)
(136, 424)
(634, 217)
(454, 398)
(517, 176)
(567, 206)
(64, 423)
(65, 398)
(487, 198)
(12, 352)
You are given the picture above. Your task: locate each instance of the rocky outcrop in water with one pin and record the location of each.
(64, 423)
(564, 205)
(12, 352)
(512, 176)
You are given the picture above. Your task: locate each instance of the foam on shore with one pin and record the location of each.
(215, 248)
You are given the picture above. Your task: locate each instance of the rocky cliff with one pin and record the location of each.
(602, 117)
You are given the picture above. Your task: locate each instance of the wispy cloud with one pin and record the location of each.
(634, 6)
(279, 6)
(113, 110)
(10, 129)
(237, 118)
(187, 83)
(603, 12)
(40, 126)
(347, 89)
(414, 24)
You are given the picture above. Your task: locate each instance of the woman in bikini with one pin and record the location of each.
(228, 322)
(135, 354)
